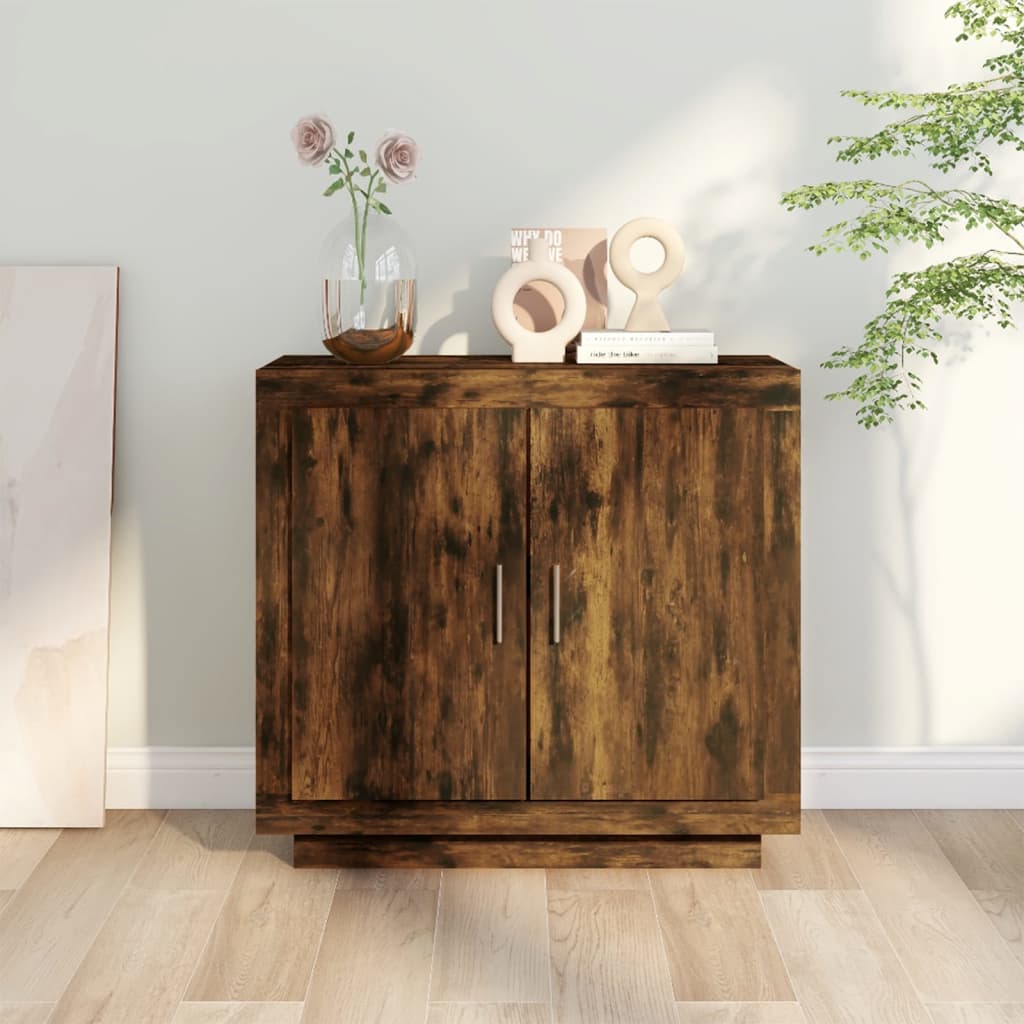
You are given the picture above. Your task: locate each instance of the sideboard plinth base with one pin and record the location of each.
(320, 851)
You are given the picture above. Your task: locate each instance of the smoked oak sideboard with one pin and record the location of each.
(527, 614)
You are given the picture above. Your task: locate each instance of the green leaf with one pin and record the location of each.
(334, 186)
(381, 186)
(362, 155)
(380, 206)
(351, 136)
(365, 171)
(348, 154)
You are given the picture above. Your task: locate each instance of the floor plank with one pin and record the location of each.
(266, 937)
(985, 847)
(238, 1013)
(949, 946)
(987, 850)
(607, 962)
(25, 1013)
(719, 945)
(585, 879)
(21, 849)
(142, 959)
(389, 878)
(52, 920)
(489, 1013)
(811, 860)
(374, 961)
(1006, 912)
(196, 850)
(842, 965)
(491, 942)
(1018, 816)
(5, 896)
(739, 1013)
(977, 1013)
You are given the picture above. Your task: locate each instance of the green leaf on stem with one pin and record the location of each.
(380, 206)
(334, 186)
(362, 155)
(351, 136)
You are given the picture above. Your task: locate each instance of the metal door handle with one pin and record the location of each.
(556, 604)
(498, 601)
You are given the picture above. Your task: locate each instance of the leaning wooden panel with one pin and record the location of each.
(646, 674)
(528, 817)
(402, 687)
(58, 333)
(493, 382)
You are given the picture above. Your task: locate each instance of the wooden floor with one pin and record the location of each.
(879, 917)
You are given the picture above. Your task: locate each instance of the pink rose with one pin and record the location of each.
(314, 139)
(397, 156)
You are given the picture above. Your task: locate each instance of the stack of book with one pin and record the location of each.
(641, 347)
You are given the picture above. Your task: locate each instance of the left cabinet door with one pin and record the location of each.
(402, 687)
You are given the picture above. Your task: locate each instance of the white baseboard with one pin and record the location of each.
(172, 777)
(849, 777)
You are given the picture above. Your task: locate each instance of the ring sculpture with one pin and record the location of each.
(538, 346)
(647, 314)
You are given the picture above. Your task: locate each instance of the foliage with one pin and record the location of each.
(954, 130)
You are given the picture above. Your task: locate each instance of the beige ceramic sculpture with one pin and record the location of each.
(647, 314)
(538, 346)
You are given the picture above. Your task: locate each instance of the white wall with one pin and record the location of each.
(156, 137)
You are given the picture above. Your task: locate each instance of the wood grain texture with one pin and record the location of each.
(238, 1013)
(53, 919)
(5, 895)
(780, 814)
(489, 1013)
(655, 518)
(739, 1013)
(841, 964)
(495, 382)
(25, 1013)
(389, 878)
(985, 847)
(977, 1013)
(141, 961)
(949, 946)
(1005, 909)
(778, 593)
(492, 941)
(196, 850)
(607, 963)
(504, 852)
(718, 942)
(21, 849)
(987, 850)
(273, 615)
(811, 860)
(585, 879)
(374, 961)
(266, 937)
(399, 520)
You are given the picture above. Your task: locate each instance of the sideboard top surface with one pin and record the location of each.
(495, 381)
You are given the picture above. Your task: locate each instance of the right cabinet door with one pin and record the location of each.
(649, 603)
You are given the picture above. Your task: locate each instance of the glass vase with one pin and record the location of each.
(369, 290)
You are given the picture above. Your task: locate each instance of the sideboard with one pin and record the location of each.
(527, 615)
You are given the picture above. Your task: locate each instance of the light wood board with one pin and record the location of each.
(268, 932)
(948, 944)
(719, 945)
(810, 860)
(58, 333)
(607, 962)
(491, 938)
(52, 920)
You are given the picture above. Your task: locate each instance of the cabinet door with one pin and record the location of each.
(655, 518)
(400, 686)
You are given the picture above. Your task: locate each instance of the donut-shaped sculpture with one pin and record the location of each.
(647, 314)
(538, 346)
